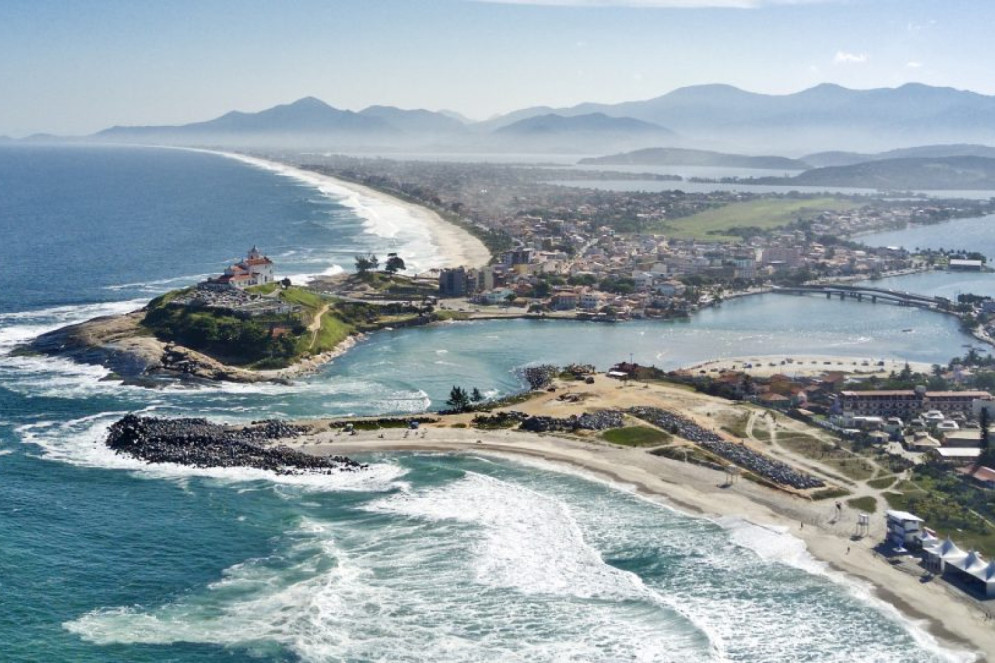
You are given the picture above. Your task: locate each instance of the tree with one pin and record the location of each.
(458, 399)
(476, 396)
(538, 376)
(985, 458)
(394, 264)
(365, 264)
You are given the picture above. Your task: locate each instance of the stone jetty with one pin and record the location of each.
(200, 443)
(760, 464)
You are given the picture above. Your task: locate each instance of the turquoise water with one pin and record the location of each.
(423, 558)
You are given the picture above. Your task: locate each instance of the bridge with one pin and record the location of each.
(861, 293)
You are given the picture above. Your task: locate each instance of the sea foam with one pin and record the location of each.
(399, 590)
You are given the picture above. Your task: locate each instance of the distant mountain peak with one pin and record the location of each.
(308, 102)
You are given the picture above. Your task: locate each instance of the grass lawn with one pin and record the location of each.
(856, 468)
(866, 504)
(737, 425)
(761, 430)
(636, 436)
(882, 482)
(806, 445)
(763, 214)
(309, 300)
(847, 464)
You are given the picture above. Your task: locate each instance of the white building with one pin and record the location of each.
(591, 300)
(903, 528)
(945, 558)
(255, 269)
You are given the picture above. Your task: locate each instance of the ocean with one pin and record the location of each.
(425, 557)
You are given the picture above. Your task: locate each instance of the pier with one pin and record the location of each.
(867, 293)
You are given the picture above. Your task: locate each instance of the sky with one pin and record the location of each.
(73, 68)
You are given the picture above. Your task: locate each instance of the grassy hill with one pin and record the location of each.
(931, 173)
(672, 156)
(315, 324)
(765, 214)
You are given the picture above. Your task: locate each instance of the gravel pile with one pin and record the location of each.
(600, 420)
(740, 454)
(505, 419)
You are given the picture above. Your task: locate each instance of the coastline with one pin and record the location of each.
(117, 342)
(454, 246)
(949, 619)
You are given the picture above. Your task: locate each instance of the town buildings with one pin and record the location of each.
(908, 403)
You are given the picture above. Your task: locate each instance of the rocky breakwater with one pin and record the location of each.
(200, 443)
(760, 464)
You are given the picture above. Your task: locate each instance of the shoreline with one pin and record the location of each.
(799, 365)
(454, 246)
(951, 620)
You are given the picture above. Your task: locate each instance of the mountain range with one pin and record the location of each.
(824, 118)
(825, 115)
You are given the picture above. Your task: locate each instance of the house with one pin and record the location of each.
(956, 455)
(497, 296)
(903, 528)
(670, 288)
(591, 300)
(564, 300)
(963, 439)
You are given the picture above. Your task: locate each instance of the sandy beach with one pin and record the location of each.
(944, 612)
(454, 245)
(795, 365)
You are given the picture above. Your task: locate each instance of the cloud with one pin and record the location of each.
(842, 57)
(661, 4)
(913, 64)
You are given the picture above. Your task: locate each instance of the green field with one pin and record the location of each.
(867, 504)
(762, 214)
(636, 436)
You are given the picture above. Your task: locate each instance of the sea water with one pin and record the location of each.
(424, 556)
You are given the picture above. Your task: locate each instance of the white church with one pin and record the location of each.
(255, 269)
